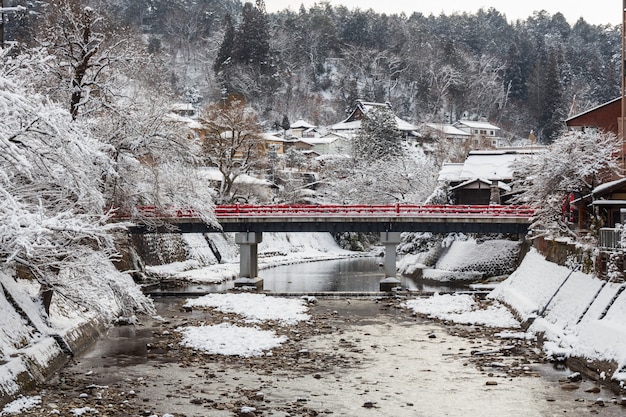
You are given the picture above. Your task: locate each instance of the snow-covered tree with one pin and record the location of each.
(51, 210)
(378, 137)
(231, 142)
(575, 161)
(83, 53)
(395, 179)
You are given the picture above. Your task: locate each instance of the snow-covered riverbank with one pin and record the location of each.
(33, 343)
(576, 314)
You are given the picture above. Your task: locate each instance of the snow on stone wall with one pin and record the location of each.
(463, 260)
(491, 257)
(84, 302)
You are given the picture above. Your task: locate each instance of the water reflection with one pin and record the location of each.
(341, 275)
(355, 275)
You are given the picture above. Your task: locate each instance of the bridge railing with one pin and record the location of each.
(329, 210)
(371, 210)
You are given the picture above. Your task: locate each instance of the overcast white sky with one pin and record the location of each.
(595, 12)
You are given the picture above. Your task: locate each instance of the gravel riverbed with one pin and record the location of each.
(354, 357)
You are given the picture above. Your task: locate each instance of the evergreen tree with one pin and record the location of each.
(224, 55)
(379, 136)
(252, 45)
(285, 124)
(546, 99)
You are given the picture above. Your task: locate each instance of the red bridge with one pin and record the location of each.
(250, 221)
(338, 218)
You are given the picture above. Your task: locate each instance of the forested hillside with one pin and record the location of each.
(313, 64)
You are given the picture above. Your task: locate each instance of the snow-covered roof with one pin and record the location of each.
(191, 123)
(272, 137)
(618, 203)
(447, 129)
(485, 165)
(607, 187)
(501, 185)
(182, 106)
(301, 124)
(405, 126)
(489, 165)
(213, 174)
(450, 171)
(320, 140)
(365, 107)
(477, 124)
(354, 125)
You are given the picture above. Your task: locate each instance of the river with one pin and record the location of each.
(355, 357)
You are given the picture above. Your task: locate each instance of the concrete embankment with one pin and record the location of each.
(35, 342)
(577, 317)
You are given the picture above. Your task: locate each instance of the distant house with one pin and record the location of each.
(609, 202)
(302, 129)
(477, 134)
(609, 199)
(481, 131)
(445, 131)
(273, 143)
(352, 124)
(183, 109)
(330, 144)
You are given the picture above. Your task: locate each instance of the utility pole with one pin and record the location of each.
(622, 124)
(2, 24)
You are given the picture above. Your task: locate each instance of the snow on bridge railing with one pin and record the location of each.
(396, 210)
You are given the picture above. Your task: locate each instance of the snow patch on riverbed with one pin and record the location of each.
(255, 308)
(230, 340)
(463, 309)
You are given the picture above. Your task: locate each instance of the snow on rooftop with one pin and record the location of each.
(405, 126)
(492, 166)
(606, 187)
(477, 124)
(355, 125)
(450, 171)
(320, 140)
(301, 124)
(447, 129)
(213, 174)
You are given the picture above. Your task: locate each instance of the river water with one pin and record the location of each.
(348, 275)
(341, 275)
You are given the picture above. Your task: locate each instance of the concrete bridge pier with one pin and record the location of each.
(390, 240)
(248, 259)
